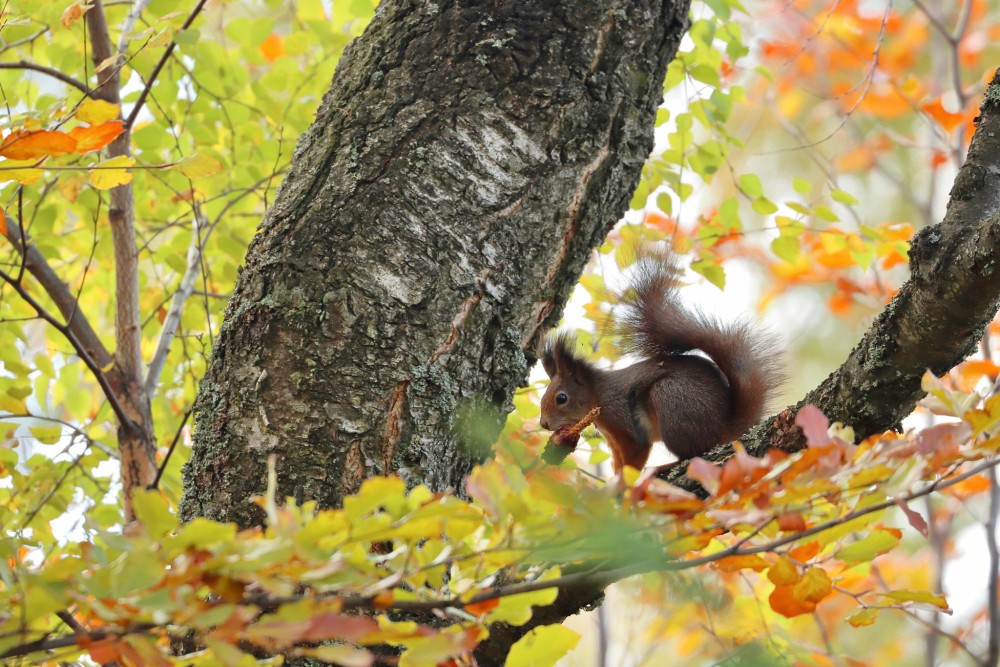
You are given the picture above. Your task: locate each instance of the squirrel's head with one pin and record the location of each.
(570, 394)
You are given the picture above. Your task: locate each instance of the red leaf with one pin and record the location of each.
(914, 517)
(705, 473)
(814, 424)
(791, 521)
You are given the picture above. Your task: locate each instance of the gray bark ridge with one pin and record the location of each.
(435, 218)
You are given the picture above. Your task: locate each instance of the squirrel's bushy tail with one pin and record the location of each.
(653, 322)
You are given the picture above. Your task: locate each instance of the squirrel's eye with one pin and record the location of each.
(561, 398)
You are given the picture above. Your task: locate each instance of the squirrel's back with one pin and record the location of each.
(653, 323)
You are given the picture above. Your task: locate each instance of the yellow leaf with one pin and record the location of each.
(542, 647)
(11, 170)
(198, 166)
(863, 617)
(783, 572)
(94, 112)
(922, 599)
(814, 586)
(15, 406)
(112, 172)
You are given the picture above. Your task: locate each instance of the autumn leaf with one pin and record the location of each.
(111, 173)
(272, 48)
(947, 120)
(784, 601)
(198, 166)
(96, 137)
(95, 112)
(863, 617)
(33, 144)
(72, 14)
(22, 171)
(735, 563)
(543, 646)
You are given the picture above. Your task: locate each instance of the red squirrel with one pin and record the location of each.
(687, 401)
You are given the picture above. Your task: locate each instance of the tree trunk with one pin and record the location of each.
(434, 220)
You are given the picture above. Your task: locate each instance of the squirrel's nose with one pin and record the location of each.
(545, 424)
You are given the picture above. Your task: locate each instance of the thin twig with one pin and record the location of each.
(159, 66)
(173, 444)
(78, 347)
(58, 291)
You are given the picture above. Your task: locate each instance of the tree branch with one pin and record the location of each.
(50, 71)
(173, 317)
(59, 292)
(136, 443)
(103, 380)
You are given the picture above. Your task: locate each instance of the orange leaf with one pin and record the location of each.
(72, 14)
(272, 48)
(947, 120)
(734, 563)
(29, 145)
(784, 601)
(805, 552)
(968, 487)
(96, 137)
(102, 651)
(479, 608)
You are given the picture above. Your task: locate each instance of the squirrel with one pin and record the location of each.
(689, 402)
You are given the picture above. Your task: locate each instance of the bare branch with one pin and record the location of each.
(59, 292)
(133, 16)
(50, 71)
(98, 371)
(173, 317)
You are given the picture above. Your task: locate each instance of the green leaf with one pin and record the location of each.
(843, 197)
(786, 247)
(47, 435)
(802, 186)
(750, 185)
(151, 509)
(189, 36)
(711, 271)
(542, 647)
(874, 544)
(824, 213)
(665, 203)
(763, 206)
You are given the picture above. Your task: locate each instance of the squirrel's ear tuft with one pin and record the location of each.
(558, 358)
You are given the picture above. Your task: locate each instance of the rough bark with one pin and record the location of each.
(434, 220)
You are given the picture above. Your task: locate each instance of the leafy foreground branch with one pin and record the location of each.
(325, 584)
